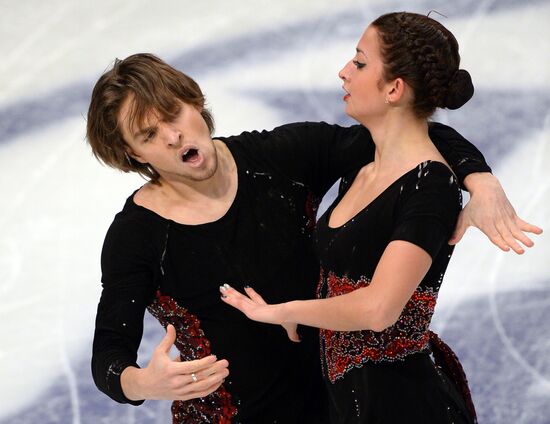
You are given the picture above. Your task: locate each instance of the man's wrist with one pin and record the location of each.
(130, 380)
(480, 180)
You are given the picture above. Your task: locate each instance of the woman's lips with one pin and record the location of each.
(347, 95)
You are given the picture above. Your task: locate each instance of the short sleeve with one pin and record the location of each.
(430, 202)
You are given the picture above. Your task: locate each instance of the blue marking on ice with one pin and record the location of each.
(73, 99)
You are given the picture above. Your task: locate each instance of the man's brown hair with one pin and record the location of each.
(155, 87)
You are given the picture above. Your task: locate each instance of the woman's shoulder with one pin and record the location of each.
(432, 172)
(432, 180)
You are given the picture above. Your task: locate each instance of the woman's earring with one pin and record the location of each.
(386, 101)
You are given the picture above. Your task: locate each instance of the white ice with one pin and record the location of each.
(57, 201)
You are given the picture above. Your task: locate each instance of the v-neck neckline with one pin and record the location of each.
(374, 200)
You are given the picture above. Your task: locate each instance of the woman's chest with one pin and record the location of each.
(355, 247)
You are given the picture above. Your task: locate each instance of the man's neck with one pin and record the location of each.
(194, 202)
(216, 187)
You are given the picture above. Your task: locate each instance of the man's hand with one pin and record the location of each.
(490, 210)
(167, 378)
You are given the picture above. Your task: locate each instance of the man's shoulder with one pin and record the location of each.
(134, 230)
(133, 216)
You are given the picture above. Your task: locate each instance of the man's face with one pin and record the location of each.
(179, 149)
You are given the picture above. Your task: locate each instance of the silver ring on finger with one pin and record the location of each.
(194, 377)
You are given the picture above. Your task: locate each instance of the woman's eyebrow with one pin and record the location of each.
(358, 50)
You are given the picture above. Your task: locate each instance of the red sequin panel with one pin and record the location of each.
(192, 344)
(344, 350)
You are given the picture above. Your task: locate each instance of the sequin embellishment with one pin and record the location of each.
(311, 207)
(342, 351)
(192, 344)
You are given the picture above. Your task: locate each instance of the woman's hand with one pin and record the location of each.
(256, 308)
(490, 210)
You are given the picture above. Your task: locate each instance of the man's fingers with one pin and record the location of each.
(512, 243)
(506, 230)
(530, 228)
(516, 228)
(205, 380)
(460, 229)
(196, 394)
(519, 235)
(217, 367)
(197, 365)
(457, 236)
(201, 383)
(498, 241)
(168, 339)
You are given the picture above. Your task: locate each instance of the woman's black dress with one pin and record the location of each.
(389, 376)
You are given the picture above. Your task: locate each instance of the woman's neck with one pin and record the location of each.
(401, 141)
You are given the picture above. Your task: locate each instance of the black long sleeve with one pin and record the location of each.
(314, 155)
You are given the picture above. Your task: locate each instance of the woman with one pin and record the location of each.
(240, 208)
(383, 243)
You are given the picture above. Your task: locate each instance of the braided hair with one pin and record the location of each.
(424, 54)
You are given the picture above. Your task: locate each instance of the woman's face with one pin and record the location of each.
(363, 80)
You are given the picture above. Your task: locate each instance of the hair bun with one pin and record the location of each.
(461, 89)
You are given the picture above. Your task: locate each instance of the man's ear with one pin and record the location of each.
(129, 153)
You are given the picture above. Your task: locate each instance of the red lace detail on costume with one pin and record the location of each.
(192, 344)
(447, 360)
(344, 350)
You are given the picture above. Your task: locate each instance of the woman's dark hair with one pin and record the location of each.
(424, 54)
(154, 86)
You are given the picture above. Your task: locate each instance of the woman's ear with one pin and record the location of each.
(397, 90)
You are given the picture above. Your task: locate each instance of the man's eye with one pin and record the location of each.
(150, 135)
(358, 64)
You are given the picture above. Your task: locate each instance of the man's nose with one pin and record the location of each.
(172, 135)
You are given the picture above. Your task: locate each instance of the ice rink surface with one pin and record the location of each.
(261, 63)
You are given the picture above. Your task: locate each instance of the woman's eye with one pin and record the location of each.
(358, 64)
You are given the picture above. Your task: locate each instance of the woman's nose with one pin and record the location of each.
(343, 75)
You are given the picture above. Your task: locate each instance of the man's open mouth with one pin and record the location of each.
(190, 155)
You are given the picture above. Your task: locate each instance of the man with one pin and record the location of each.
(237, 210)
